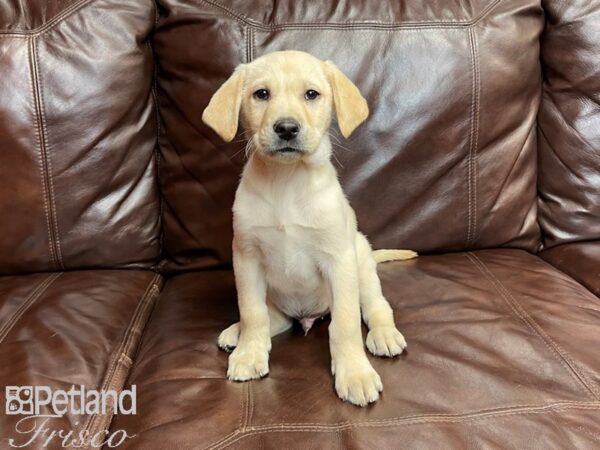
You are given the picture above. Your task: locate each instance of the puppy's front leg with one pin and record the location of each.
(250, 359)
(355, 379)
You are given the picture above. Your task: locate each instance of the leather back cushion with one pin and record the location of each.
(77, 135)
(447, 159)
(569, 123)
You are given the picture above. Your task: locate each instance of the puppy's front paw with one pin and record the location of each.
(385, 341)
(248, 362)
(228, 339)
(357, 383)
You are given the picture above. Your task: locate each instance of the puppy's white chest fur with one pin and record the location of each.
(292, 221)
(289, 262)
(291, 267)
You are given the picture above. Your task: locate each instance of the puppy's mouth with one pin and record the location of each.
(287, 150)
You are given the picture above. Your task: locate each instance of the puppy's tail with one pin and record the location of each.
(385, 255)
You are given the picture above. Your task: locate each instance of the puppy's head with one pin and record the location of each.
(286, 100)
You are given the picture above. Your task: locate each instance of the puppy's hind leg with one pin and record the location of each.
(383, 339)
(278, 323)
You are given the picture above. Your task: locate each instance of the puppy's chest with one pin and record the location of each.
(291, 260)
(290, 240)
(289, 246)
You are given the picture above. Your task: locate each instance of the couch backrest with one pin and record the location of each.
(569, 123)
(77, 135)
(447, 159)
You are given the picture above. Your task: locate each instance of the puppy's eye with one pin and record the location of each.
(262, 94)
(311, 94)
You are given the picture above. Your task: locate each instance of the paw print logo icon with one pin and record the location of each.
(19, 400)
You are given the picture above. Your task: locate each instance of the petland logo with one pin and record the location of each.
(28, 400)
(40, 404)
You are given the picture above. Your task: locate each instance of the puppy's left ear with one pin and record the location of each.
(223, 110)
(350, 106)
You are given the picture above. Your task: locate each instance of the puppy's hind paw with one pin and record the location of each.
(385, 341)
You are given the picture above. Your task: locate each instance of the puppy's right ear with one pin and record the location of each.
(223, 110)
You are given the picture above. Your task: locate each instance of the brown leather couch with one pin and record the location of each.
(482, 152)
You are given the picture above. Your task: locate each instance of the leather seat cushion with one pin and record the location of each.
(70, 328)
(501, 345)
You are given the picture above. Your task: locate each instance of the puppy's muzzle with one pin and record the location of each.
(286, 129)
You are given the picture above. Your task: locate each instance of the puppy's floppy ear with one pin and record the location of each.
(223, 110)
(350, 106)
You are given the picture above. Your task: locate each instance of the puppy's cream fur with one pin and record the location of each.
(296, 249)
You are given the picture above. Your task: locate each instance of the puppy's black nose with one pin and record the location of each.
(287, 129)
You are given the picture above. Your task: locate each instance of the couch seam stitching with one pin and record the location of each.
(150, 315)
(476, 144)
(128, 337)
(143, 332)
(122, 347)
(275, 27)
(49, 171)
(247, 31)
(241, 419)
(410, 420)
(34, 81)
(243, 413)
(354, 25)
(225, 440)
(252, 44)
(460, 416)
(157, 152)
(251, 404)
(329, 27)
(473, 141)
(470, 141)
(29, 301)
(518, 309)
(247, 404)
(54, 21)
(162, 261)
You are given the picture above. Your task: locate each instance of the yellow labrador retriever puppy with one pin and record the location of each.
(297, 253)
